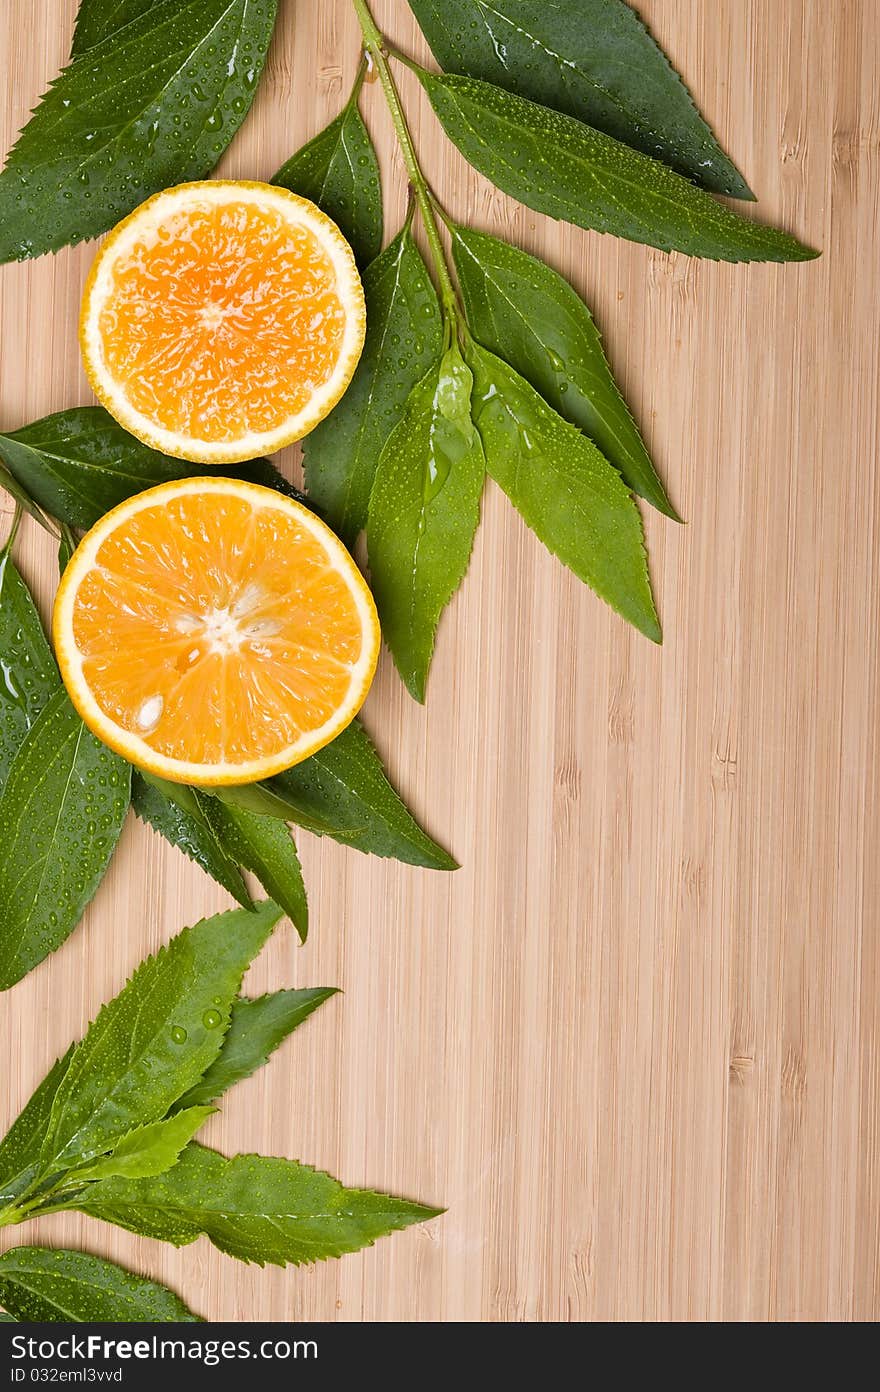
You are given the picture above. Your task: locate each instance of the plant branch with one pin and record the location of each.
(375, 48)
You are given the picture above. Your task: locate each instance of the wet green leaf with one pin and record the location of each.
(559, 166)
(267, 802)
(61, 813)
(593, 59)
(96, 20)
(174, 810)
(339, 171)
(103, 1133)
(526, 313)
(345, 786)
(146, 1150)
(154, 104)
(565, 489)
(57, 1286)
(79, 464)
(255, 1031)
(404, 338)
(28, 675)
(264, 846)
(253, 1207)
(21, 1147)
(153, 1041)
(20, 495)
(424, 512)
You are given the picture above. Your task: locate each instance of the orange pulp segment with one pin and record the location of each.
(222, 320)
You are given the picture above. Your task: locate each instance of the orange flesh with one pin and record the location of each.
(222, 321)
(214, 631)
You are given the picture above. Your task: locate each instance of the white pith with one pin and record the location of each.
(226, 629)
(149, 217)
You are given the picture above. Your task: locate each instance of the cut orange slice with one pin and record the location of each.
(213, 631)
(222, 320)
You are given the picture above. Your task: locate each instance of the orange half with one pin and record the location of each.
(222, 320)
(214, 632)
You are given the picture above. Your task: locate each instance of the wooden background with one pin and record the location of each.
(632, 1044)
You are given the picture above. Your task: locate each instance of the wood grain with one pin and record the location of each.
(632, 1043)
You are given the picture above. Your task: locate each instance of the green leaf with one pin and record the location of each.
(57, 1286)
(255, 1031)
(79, 464)
(175, 811)
(20, 496)
(147, 1150)
(153, 1042)
(424, 512)
(593, 59)
(527, 314)
(66, 547)
(61, 813)
(262, 800)
(96, 20)
(339, 171)
(154, 104)
(404, 337)
(28, 675)
(345, 785)
(253, 1207)
(558, 166)
(22, 1145)
(264, 846)
(565, 489)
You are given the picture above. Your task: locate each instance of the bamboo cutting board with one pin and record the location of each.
(632, 1043)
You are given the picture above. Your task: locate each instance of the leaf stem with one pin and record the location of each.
(54, 1201)
(357, 85)
(13, 531)
(19, 1210)
(376, 50)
